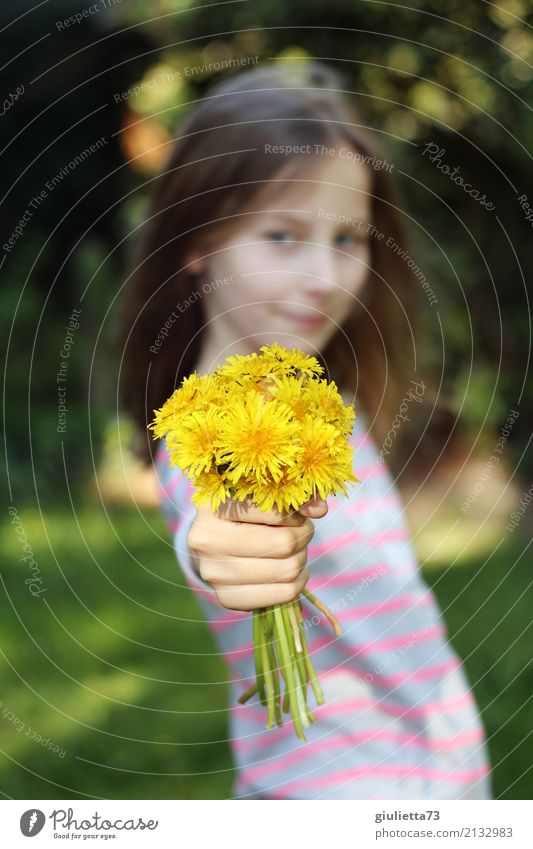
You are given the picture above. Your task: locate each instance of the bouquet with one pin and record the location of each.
(265, 427)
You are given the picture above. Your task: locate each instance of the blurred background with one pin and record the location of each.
(101, 695)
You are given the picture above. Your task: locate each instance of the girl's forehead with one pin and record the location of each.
(336, 181)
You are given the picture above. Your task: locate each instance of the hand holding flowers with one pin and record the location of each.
(265, 432)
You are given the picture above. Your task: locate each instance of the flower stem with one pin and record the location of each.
(298, 645)
(299, 693)
(325, 610)
(251, 691)
(295, 627)
(269, 683)
(269, 619)
(317, 689)
(258, 658)
(286, 670)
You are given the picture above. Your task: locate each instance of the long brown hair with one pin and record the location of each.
(216, 170)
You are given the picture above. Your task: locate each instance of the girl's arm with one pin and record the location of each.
(179, 512)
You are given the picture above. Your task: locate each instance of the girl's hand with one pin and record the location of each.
(252, 558)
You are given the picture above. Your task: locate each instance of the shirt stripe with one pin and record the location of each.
(346, 740)
(384, 771)
(352, 651)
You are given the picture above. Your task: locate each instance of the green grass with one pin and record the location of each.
(118, 669)
(486, 603)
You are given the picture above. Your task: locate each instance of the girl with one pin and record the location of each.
(274, 221)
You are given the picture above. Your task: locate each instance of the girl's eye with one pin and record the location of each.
(281, 237)
(349, 239)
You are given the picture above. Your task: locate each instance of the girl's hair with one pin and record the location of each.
(220, 168)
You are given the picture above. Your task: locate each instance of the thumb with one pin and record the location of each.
(315, 508)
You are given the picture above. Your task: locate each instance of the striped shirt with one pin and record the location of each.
(399, 719)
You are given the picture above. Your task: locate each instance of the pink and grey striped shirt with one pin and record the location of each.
(399, 719)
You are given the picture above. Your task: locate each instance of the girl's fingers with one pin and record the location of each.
(243, 571)
(213, 538)
(315, 508)
(251, 596)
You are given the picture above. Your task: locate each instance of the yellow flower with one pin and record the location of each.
(287, 495)
(178, 403)
(257, 436)
(292, 360)
(194, 440)
(321, 470)
(323, 398)
(246, 369)
(194, 393)
(262, 426)
(243, 488)
(290, 391)
(210, 487)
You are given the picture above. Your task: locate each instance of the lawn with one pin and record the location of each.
(116, 666)
(112, 687)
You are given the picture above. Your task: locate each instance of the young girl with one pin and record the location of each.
(274, 221)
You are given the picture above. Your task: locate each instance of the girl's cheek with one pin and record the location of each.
(263, 258)
(357, 270)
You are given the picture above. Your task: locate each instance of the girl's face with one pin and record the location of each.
(292, 271)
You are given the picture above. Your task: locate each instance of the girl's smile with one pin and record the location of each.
(300, 319)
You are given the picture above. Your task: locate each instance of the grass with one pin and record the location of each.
(486, 603)
(114, 665)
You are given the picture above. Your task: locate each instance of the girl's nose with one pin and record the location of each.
(320, 278)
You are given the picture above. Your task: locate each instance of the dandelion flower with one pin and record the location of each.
(290, 391)
(320, 469)
(246, 368)
(257, 436)
(290, 361)
(323, 398)
(194, 393)
(210, 487)
(194, 440)
(286, 495)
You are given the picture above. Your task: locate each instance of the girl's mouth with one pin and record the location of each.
(303, 320)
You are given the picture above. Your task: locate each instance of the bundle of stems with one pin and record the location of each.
(280, 643)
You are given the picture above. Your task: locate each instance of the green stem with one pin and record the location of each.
(298, 645)
(251, 691)
(313, 680)
(269, 684)
(325, 610)
(286, 670)
(258, 640)
(299, 700)
(300, 697)
(286, 706)
(273, 663)
(295, 627)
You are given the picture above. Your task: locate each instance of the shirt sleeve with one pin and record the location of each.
(176, 492)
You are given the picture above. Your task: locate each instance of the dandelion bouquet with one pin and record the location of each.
(265, 428)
